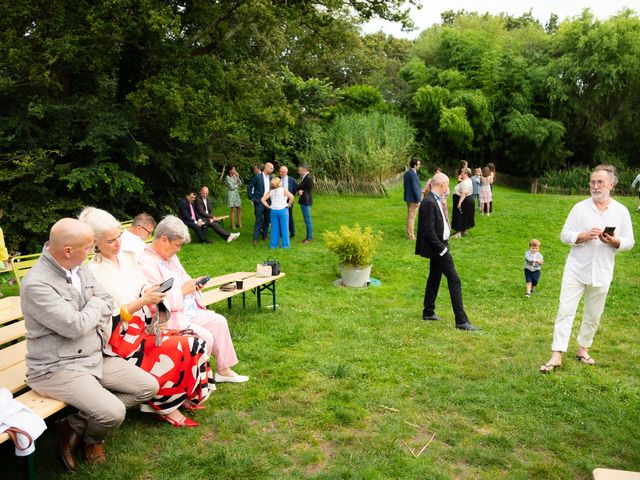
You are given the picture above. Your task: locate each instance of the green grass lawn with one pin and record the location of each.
(344, 382)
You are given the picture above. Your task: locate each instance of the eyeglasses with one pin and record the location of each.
(598, 182)
(146, 230)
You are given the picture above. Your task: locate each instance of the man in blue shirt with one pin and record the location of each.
(412, 195)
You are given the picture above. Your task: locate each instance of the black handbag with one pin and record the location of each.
(274, 264)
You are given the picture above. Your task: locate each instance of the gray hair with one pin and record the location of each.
(99, 220)
(173, 228)
(439, 178)
(143, 219)
(611, 170)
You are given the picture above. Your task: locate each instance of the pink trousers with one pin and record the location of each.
(214, 330)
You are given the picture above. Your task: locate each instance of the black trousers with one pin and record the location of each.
(261, 227)
(292, 227)
(216, 227)
(444, 266)
(201, 232)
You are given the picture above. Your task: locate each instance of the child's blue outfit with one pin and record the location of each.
(475, 181)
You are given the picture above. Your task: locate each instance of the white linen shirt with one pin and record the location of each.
(465, 186)
(592, 262)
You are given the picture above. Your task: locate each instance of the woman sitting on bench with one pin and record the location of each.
(179, 362)
(159, 263)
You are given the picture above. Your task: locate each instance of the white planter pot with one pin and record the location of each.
(355, 277)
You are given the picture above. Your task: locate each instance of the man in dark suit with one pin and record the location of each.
(432, 242)
(204, 210)
(305, 189)
(290, 185)
(257, 187)
(190, 217)
(412, 195)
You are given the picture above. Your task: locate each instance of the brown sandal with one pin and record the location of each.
(585, 359)
(549, 367)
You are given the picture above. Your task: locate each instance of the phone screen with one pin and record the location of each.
(203, 280)
(609, 230)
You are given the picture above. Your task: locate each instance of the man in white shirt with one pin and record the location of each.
(589, 267)
(133, 239)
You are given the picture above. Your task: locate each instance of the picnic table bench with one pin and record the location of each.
(211, 292)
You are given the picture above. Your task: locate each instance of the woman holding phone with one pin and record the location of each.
(160, 262)
(179, 362)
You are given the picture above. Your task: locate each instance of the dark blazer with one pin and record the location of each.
(292, 185)
(412, 190)
(199, 206)
(184, 212)
(429, 242)
(255, 188)
(306, 185)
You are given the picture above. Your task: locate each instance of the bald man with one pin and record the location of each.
(433, 242)
(256, 188)
(68, 319)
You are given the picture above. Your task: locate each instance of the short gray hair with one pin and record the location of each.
(439, 178)
(611, 170)
(173, 228)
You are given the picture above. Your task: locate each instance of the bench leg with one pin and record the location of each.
(30, 466)
(244, 301)
(229, 303)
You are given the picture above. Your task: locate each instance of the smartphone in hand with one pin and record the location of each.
(609, 231)
(202, 281)
(166, 285)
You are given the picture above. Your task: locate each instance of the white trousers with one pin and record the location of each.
(571, 292)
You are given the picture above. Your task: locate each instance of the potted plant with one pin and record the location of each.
(355, 248)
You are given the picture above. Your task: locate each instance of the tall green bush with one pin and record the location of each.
(363, 147)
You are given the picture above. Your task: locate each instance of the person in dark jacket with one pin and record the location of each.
(305, 189)
(412, 195)
(433, 243)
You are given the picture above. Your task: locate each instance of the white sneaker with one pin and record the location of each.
(237, 379)
(233, 237)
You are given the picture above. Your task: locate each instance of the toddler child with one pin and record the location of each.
(532, 266)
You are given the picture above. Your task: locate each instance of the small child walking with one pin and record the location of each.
(533, 261)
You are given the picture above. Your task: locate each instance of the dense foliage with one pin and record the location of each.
(125, 105)
(355, 246)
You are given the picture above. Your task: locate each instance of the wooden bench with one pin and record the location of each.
(220, 218)
(13, 368)
(21, 265)
(211, 292)
(608, 474)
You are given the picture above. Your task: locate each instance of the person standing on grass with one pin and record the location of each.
(633, 185)
(305, 199)
(281, 201)
(475, 182)
(290, 185)
(257, 187)
(412, 195)
(492, 169)
(597, 229)
(485, 191)
(433, 243)
(533, 261)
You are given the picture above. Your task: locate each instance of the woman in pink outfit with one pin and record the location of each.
(159, 263)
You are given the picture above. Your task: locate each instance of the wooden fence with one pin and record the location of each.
(356, 188)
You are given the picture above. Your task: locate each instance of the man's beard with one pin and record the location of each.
(602, 196)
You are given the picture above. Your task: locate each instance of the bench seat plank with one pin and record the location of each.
(10, 309)
(14, 378)
(229, 277)
(12, 332)
(12, 355)
(216, 295)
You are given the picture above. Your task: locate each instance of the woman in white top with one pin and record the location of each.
(180, 363)
(463, 208)
(281, 201)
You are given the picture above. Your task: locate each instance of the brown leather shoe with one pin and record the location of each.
(68, 442)
(95, 453)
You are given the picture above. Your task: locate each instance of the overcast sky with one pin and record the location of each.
(542, 9)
